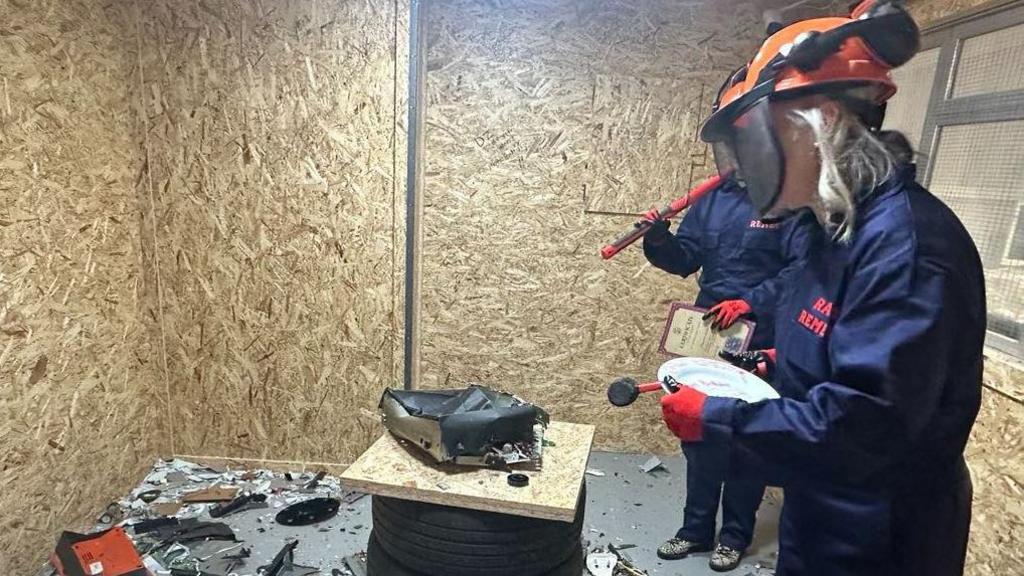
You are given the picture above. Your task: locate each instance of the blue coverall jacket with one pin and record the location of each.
(738, 256)
(879, 367)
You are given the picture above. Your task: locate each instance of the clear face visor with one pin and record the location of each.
(750, 147)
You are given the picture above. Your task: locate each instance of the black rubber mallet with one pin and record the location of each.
(625, 390)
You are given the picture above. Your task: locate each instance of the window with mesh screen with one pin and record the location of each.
(990, 63)
(971, 136)
(906, 111)
(979, 173)
(1015, 250)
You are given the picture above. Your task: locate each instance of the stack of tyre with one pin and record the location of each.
(419, 539)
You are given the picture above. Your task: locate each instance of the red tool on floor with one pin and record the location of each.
(675, 207)
(108, 553)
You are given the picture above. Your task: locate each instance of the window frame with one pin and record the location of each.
(943, 110)
(1015, 229)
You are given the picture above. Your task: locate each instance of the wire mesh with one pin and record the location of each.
(979, 172)
(908, 108)
(992, 62)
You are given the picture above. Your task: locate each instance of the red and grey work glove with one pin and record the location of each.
(658, 234)
(727, 312)
(682, 413)
(759, 362)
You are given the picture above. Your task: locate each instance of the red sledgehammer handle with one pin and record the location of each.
(640, 227)
(649, 387)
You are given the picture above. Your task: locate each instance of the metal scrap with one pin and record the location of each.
(653, 464)
(173, 532)
(243, 502)
(212, 494)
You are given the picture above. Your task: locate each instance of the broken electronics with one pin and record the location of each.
(612, 562)
(475, 426)
(176, 524)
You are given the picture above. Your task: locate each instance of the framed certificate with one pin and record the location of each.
(688, 334)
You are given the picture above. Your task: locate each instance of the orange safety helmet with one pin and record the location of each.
(727, 95)
(725, 161)
(823, 55)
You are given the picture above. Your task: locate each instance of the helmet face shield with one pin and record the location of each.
(725, 160)
(751, 146)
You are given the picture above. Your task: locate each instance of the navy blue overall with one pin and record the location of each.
(880, 366)
(739, 258)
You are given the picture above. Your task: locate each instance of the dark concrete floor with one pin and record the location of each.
(631, 507)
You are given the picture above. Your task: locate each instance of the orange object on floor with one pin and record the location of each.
(108, 553)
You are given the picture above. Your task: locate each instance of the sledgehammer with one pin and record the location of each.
(641, 227)
(625, 391)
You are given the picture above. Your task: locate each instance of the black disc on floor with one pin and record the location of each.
(308, 512)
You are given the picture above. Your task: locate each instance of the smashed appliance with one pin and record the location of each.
(109, 552)
(475, 426)
(177, 523)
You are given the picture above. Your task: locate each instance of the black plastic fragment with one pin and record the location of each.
(518, 480)
(309, 512)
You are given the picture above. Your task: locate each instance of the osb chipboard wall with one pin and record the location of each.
(76, 371)
(995, 457)
(273, 180)
(533, 104)
(929, 11)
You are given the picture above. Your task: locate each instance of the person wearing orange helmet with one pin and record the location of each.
(879, 339)
(743, 265)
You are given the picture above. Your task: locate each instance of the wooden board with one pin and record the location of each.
(78, 374)
(269, 216)
(531, 106)
(391, 469)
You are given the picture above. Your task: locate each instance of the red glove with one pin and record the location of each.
(727, 312)
(653, 215)
(682, 413)
(658, 234)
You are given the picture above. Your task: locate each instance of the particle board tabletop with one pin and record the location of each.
(397, 469)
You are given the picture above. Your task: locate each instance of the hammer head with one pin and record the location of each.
(623, 392)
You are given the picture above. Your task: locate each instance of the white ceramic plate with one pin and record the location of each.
(717, 378)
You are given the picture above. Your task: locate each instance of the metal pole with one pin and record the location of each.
(417, 66)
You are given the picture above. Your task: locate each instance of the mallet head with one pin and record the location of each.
(623, 392)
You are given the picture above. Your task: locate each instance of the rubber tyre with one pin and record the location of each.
(379, 563)
(451, 542)
(546, 538)
(508, 563)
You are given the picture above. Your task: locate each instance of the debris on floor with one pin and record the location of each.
(652, 465)
(175, 524)
(612, 561)
(602, 563)
(355, 565)
(764, 567)
(308, 512)
(108, 552)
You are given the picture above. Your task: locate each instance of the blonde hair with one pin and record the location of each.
(854, 161)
